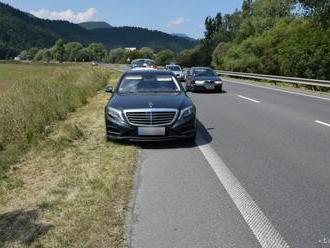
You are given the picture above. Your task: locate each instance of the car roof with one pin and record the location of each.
(136, 60)
(149, 72)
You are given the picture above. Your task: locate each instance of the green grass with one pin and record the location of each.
(32, 97)
(11, 72)
(71, 189)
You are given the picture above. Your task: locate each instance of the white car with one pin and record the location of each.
(176, 69)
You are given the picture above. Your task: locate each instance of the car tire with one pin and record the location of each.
(219, 90)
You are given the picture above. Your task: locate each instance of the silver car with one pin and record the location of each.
(176, 69)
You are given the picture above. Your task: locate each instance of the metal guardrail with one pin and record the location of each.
(303, 81)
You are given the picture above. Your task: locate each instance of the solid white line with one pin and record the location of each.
(280, 90)
(259, 224)
(323, 123)
(246, 98)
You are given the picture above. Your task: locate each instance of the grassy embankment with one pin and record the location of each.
(68, 187)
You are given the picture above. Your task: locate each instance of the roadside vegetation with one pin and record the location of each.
(32, 97)
(71, 188)
(76, 52)
(281, 37)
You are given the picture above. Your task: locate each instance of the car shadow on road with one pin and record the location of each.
(201, 129)
(21, 227)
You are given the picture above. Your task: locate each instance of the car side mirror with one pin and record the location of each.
(108, 89)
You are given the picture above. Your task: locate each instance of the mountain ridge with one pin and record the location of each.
(94, 25)
(20, 31)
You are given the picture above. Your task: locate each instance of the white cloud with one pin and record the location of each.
(176, 22)
(67, 15)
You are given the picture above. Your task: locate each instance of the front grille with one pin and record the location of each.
(151, 117)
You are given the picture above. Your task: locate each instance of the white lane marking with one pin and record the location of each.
(280, 90)
(249, 99)
(259, 224)
(322, 123)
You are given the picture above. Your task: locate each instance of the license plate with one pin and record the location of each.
(210, 86)
(151, 131)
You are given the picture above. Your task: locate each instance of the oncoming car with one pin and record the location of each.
(176, 69)
(143, 63)
(149, 106)
(203, 78)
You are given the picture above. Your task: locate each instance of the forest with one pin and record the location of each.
(20, 31)
(280, 37)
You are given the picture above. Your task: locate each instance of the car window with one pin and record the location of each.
(174, 68)
(148, 83)
(203, 72)
(143, 62)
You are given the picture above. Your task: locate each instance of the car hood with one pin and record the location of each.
(210, 78)
(137, 101)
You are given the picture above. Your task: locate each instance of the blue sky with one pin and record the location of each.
(171, 16)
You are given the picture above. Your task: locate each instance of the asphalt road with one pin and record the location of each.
(258, 176)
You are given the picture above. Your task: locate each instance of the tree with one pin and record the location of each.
(165, 57)
(147, 52)
(59, 50)
(43, 55)
(117, 55)
(318, 8)
(189, 57)
(246, 9)
(29, 54)
(96, 51)
(84, 55)
(72, 50)
(219, 54)
(133, 55)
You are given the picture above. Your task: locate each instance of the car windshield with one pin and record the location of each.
(143, 63)
(148, 83)
(174, 68)
(204, 72)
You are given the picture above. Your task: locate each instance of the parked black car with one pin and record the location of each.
(203, 78)
(149, 106)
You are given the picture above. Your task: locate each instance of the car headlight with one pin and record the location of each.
(186, 112)
(199, 82)
(218, 82)
(115, 114)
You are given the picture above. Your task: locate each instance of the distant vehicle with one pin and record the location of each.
(143, 63)
(149, 106)
(94, 63)
(203, 78)
(176, 69)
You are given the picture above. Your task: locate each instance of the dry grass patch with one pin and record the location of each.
(72, 189)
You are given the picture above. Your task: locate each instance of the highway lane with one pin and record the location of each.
(273, 147)
(277, 152)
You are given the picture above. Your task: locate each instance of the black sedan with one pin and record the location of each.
(203, 78)
(149, 106)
